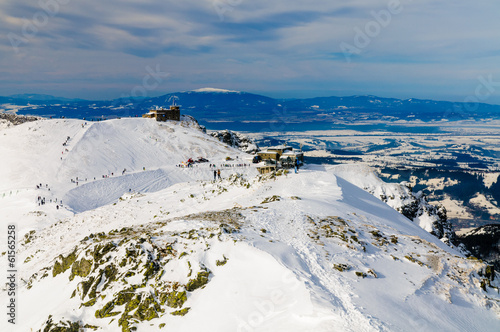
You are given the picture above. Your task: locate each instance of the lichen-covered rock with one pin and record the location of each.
(63, 326)
(200, 281)
(341, 267)
(147, 309)
(173, 299)
(63, 263)
(84, 286)
(181, 312)
(489, 272)
(89, 303)
(274, 198)
(106, 311)
(80, 268)
(122, 273)
(221, 262)
(100, 251)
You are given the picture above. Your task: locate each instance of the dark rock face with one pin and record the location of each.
(442, 228)
(17, 119)
(236, 140)
(484, 243)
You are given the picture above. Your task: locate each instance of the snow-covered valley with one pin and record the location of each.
(140, 242)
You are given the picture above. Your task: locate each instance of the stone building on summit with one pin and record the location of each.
(163, 114)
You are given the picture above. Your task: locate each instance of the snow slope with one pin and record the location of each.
(401, 197)
(311, 251)
(33, 153)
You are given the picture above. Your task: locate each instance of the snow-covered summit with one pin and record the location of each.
(149, 245)
(215, 90)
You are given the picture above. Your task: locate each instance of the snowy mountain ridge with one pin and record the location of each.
(163, 247)
(215, 104)
(401, 197)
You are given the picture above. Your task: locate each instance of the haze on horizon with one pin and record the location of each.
(428, 49)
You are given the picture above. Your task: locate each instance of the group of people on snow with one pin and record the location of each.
(42, 200)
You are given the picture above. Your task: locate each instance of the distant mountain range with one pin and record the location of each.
(33, 97)
(209, 105)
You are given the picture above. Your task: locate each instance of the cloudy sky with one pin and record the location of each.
(104, 49)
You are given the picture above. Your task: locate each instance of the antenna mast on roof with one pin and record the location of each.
(173, 98)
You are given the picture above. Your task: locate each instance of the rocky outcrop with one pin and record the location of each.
(236, 140)
(123, 277)
(484, 243)
(189, 121)
(14, 119)
(432, 218)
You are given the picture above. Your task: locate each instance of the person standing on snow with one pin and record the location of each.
(218, 173)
